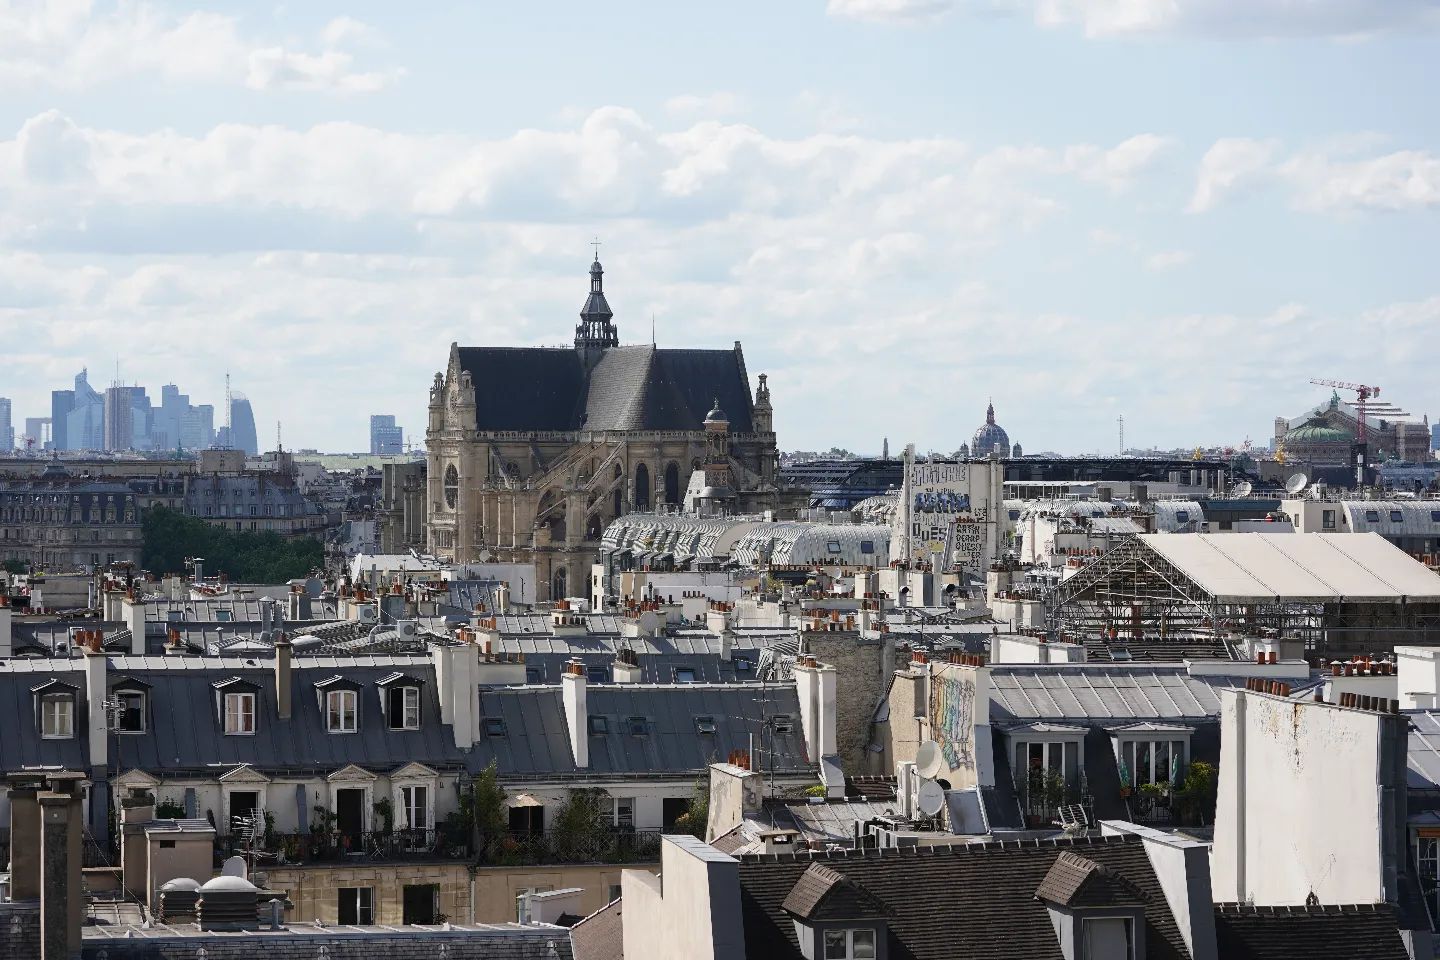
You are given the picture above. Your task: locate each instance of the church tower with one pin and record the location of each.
(763, 415)
(594, 333)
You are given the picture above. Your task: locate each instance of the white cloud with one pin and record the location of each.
(1167, 260)
(1229, 165)
(1204, 18)
(76, 44)
(1327, 180)
(710, 106)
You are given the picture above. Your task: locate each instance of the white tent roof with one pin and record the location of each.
(1262, 567)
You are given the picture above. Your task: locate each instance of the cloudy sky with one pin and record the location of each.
(1174, 210)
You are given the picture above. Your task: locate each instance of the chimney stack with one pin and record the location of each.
(577, 717)
(283, 651)
(627, 666)
(7, 629)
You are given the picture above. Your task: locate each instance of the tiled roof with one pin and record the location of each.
(975, 901)
(823, 894)
(600, 936)
(1075, 881)
(1363, 932)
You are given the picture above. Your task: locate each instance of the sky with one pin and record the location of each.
(1175, 211)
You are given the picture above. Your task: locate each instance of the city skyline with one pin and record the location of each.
(955, 201)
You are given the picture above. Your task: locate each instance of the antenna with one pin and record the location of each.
(1121, 420)
(278, 448)
(228, 437)
(1296, 483)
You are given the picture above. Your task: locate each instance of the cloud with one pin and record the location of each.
(1317, 180)
(75, 44)
(1167, 260)
(710, 106)
(1229, 165)
(1219, 19)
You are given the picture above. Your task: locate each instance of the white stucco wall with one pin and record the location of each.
(1299, 806)
(692, 910)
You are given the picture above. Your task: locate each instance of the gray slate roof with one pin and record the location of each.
(21, 746)
(186, 730)
(536, 741)
(1089, 692)
(631, 388)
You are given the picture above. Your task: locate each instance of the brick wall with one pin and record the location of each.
(20, 929)
(863, 669)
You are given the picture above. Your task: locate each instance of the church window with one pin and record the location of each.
(672, 483)
(452, 486)
(642, 487)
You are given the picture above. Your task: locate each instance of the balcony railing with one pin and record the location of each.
(514, 848)
(504, 848)
(307, 847)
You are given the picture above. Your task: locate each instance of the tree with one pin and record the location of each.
(696, 817)
(171, 538)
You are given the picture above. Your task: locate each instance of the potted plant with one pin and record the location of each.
(385, 813)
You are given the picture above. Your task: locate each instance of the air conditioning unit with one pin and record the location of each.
(905, 785)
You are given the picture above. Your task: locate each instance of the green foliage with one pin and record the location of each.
(1195, 798)
(385, 810)
(697, 817)
(816, 790)
(168, 809)
(14, 566)
(245, 557)
(487, 810)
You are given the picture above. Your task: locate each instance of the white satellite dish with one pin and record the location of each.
(234, 867)
(1244, 488)
(931, 798)
(1296, 483)
(928, 759)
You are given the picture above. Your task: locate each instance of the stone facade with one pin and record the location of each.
(350, 944)
(864, 666)
(65, 523)
(533, 451)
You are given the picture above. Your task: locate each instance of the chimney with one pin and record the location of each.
(815, 685)
(502, 599)
(456, 670)
(577, 717)
(197, 567)
(283, 651)
(134, 610)
(293, 600)
(95, 693)
(7, 629)
(627, 666)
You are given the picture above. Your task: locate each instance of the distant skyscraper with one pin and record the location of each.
(385, 436)
(1435, 436)
(7, 428)
(61, 403)
(37, 434)
(119, 419)
(78, 416)
(242, 426)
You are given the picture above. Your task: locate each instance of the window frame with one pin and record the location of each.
(597, 725)
(493, 726)
(237, 697)
(364, 906)
(332, 714)
(66, 700)
(847, 946)
(141, 711)
(401, 719)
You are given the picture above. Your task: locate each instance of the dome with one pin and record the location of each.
(224, 884)
(1318, 431)
(716, 415)
(179, 884)
(989, 436)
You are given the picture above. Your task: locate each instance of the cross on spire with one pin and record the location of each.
(596, 244)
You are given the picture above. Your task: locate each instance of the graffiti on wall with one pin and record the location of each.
(952, 717)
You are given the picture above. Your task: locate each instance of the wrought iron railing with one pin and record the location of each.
(314, 846)
(513, 848)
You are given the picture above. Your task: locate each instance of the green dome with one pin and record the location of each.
(1318, 431)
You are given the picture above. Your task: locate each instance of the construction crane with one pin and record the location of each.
(1363, 395)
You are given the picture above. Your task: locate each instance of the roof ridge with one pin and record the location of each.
(1299, 910)
(948, 849)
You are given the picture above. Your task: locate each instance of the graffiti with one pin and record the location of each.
(941, 501)
(952, 718)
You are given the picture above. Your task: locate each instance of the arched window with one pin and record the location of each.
(452, 486)
(642, 487)
(618, 502)
(557, 585)
(672, 483)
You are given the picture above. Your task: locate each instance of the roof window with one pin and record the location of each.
(782, 723)
(1396, 516)
(599, 725)
(705, 725)
(684, 674)
(1372, 516)
(638, 726)
(494, 726)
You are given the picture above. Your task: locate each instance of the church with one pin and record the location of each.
(532, 451)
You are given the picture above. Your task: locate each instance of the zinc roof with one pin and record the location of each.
(1087, 692)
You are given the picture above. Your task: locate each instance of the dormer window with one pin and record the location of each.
(130, 711)
(341, 711)
(239, 714)
(404, 708)
(854, 944)
(57, 716)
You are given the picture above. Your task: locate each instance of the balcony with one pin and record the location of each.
(506, 848)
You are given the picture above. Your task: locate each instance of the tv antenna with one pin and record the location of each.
(1121, 421)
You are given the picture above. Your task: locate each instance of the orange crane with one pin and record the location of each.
(1363, 394)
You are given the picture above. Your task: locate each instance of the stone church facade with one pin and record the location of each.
(532, 451)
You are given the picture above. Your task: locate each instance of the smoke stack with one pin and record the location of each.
(282, 676)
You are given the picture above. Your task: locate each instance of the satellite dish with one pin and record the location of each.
(928, 760)
(1296, 483)
(931, 798)
(1244, 489)
(234, 867)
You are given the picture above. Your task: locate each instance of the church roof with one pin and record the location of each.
(630, 388)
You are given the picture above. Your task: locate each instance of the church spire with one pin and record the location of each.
(990, 412)
(595, 332)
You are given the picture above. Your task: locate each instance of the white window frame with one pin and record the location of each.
(1091, 923)
(121, 696)
(1052, 746)
(1127, 752)
(1427, 865)
(238, 706)
(404, 807)
(364, 905)
(63, 716)
(408, 716)
(338, 709)
(849, 944)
